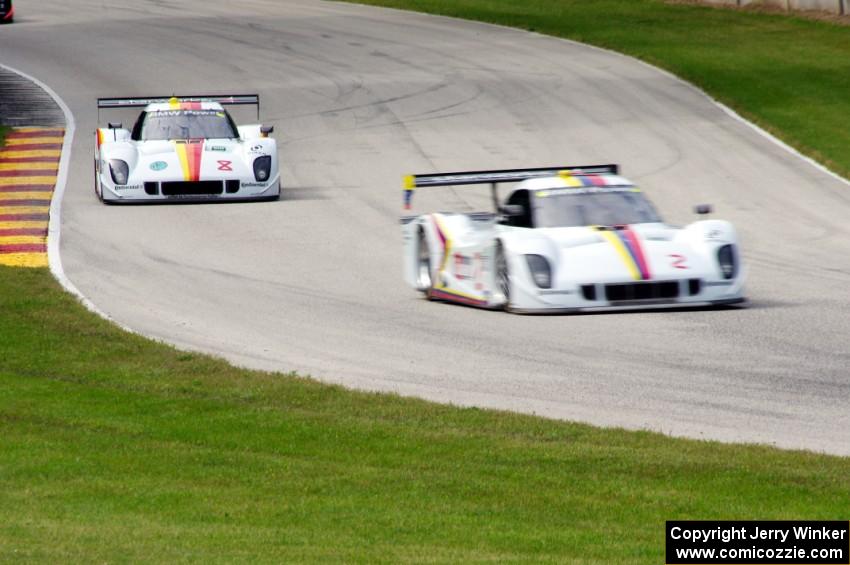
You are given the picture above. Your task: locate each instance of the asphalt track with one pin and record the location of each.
(360, 96)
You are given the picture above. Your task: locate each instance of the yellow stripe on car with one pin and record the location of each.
(623, 253)
(184, 159)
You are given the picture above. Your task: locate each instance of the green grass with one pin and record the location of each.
(789, 74)
(114, 448)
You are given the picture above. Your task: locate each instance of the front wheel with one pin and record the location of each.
(98, 190)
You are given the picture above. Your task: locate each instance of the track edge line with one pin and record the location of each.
(54, 227)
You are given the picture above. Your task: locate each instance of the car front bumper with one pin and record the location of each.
(692, 292)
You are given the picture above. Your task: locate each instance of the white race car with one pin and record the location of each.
(574, 238)
(185, 148)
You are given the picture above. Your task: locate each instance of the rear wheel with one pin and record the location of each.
(423, 263)
(503, 277)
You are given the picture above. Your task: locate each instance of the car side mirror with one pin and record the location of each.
(115, 125)
(512, 210)
(266, 130)
(702, 209)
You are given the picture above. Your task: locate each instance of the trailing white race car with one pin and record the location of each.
(567, 239)
(185, 148)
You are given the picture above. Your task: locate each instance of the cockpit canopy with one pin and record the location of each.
(588, 206)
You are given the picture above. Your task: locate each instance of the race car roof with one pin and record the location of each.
(165, 106)
(576, 181)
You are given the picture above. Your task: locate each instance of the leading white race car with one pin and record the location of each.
(185, 148)
(573, 238)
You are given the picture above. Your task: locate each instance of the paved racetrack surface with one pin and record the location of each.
(360, 96)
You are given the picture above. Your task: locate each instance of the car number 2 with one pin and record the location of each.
(678, 261)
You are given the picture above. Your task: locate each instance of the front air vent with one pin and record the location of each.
(152, 188)
(694, 286)
(588, 291)
(642, 291)
(198, 188)
(231, 186)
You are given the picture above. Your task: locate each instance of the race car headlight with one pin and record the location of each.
(541, 272)
(120, 171)
(262, 168)
(727, 261)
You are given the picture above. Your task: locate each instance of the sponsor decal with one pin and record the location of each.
(219, 148)
(470, 268)
(463, 267)
(159, 165)
(225, 166)
(193, 196)
(253, 184)
(186, 112)
(127, 186)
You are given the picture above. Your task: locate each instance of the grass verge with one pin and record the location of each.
(115, 448)
(787, 73)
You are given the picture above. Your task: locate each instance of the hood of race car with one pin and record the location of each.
(626, 253)
(191, 160)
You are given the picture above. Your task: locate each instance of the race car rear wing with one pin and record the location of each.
(223, 99)
(412, 182)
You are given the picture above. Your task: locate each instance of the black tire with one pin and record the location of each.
(503, 277)
(424, 280)
(98, 193)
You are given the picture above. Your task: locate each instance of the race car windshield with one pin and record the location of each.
(187, 124)
(587, 207)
